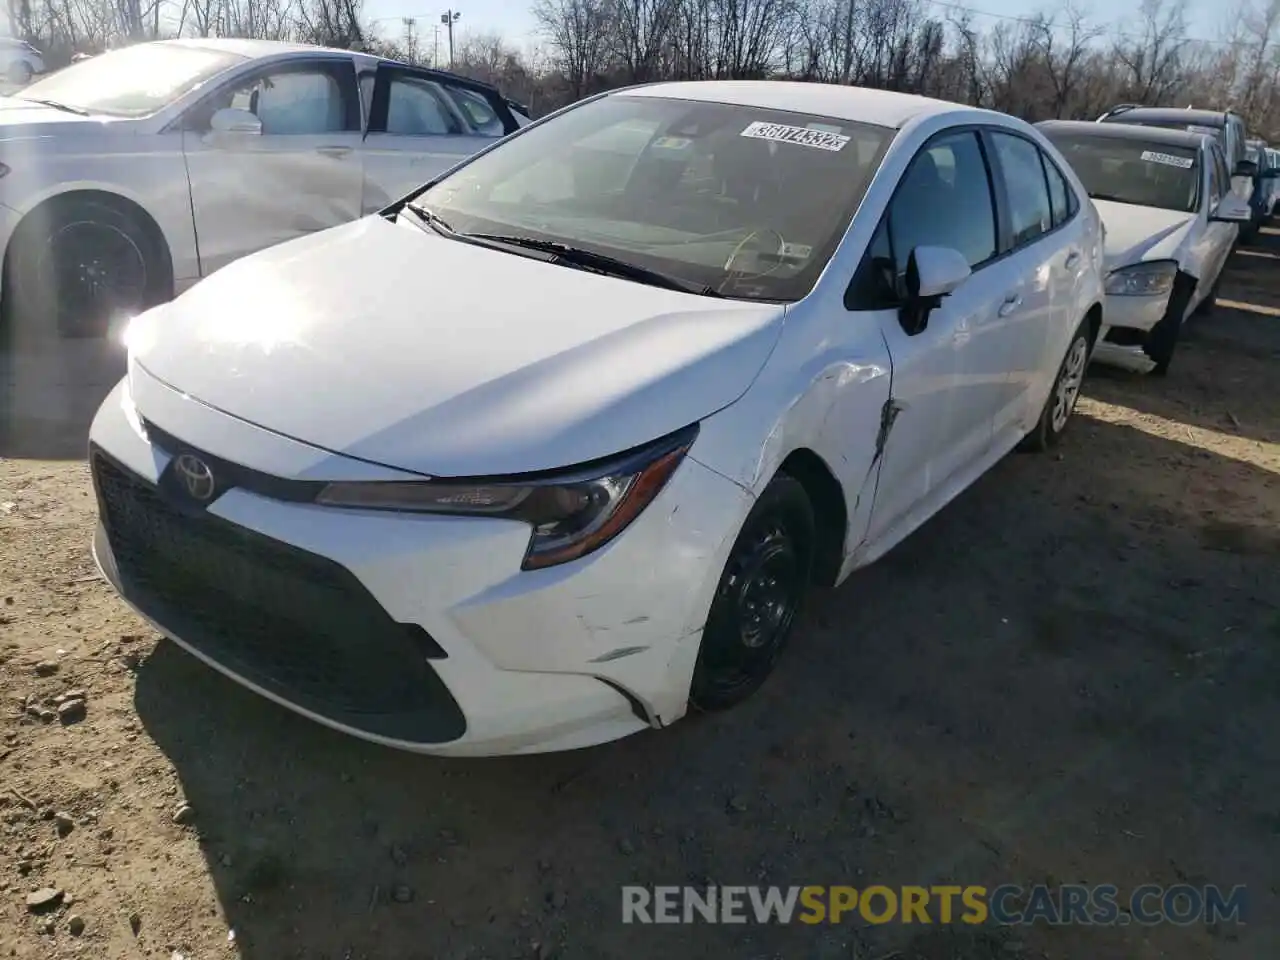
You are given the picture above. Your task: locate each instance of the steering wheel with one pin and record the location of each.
(754, 242)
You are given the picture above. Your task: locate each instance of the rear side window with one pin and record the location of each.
(1030, 213)
(945, 200)
(1060, 195)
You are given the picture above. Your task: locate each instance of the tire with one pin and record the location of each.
(758, 598)
(1205, 306)
(1061, 403)
(1162, 341)
(75, 265)
(20, 72)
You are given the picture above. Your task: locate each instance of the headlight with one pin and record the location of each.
(1142, 279)
(572, 513)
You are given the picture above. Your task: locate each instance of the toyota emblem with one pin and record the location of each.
(196, 476)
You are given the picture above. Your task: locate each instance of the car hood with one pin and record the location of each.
(1135, 234)
(381, 341)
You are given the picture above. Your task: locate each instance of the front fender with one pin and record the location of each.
(825, 395)
(154, 181)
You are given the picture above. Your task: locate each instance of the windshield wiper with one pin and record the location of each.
(64, 107)
(431, 218)
(600, 262)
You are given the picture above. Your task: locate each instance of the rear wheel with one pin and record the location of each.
(1064, 394)
(76, 265)
(758, 598)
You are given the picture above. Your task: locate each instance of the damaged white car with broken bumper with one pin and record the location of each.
(550, 452)
(1171, 221)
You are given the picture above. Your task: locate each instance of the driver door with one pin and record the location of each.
(948, 380)
(300, 174)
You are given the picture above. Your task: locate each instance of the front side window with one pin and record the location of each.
(132, 82)
(944, 200)
(1125, 170)
(1030, 213)
(288, 102)
(747, 201)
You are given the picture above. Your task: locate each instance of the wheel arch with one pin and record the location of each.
(831, 513)
(1093, 316)
(128, 206)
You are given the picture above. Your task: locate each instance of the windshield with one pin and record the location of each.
(132, 82)
(748, 202)
(1131, 171)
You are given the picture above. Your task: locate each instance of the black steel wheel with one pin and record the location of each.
(758, 598)
(76, 266)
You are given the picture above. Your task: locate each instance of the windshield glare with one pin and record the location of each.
(1131, 171)
(132, 82)
(749, 202)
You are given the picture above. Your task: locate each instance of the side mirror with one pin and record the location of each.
(235, 120)
(1231, 209)
(1270, 173)
(1246, 168)
(932, 273)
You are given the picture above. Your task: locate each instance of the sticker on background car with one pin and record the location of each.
(1183, 163)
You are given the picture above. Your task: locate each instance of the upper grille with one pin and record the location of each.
(292, 622)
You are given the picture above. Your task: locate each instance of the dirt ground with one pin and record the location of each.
(1070, 675)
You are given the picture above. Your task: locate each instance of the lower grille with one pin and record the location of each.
(291, 622)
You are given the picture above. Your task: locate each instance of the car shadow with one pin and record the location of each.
(1067, 674)
(1239, 341)
(48, 396)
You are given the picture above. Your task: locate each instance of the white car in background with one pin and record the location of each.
(1171, 220)
(19, 61)
(131, 175)
(551, 450)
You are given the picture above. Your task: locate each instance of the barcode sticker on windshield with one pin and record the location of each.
(1167, 159)
(785, 133)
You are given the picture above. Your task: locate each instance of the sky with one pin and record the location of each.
(512, 18)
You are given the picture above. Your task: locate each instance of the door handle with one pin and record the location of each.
(1011, 303)
(336, 152)
(1072, 259)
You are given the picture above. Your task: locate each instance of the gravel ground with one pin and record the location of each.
(1070, 675)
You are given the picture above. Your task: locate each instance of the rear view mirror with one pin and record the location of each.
(1231, 209)
(932, 273)
(235, 120)
(1246, 168)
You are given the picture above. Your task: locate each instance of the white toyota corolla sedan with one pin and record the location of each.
(548, 453)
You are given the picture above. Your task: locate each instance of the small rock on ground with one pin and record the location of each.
(72, 711)
(46, 898)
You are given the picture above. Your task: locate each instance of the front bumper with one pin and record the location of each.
(420, 632)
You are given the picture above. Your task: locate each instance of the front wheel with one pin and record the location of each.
(74, 266)
(1063, 395)
(20, 72)
(758, 598)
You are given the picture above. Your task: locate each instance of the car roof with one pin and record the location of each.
(250, 48)
(1189, 115)
(1124, 131)
(254, 49)
(880, 107)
